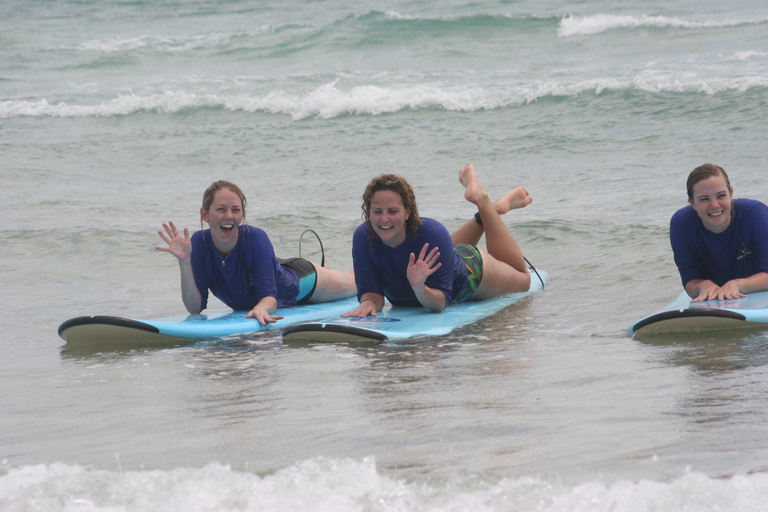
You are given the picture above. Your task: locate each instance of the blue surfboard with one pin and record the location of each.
(682, 315)
(106, 331)
(398, 323)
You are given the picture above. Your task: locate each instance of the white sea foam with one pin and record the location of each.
(166, 43)
(348, 485)
(394, 15)
(330, 101)
(594, 24)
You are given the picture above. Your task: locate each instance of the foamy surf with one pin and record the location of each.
(594, 24)
(331, 101)
(341, 485)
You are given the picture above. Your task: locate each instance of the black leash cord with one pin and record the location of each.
(536, 271)
(322, 250)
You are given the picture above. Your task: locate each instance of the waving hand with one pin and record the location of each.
(179, 246)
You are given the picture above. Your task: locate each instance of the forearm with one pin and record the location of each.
(268, 303)
(430, 298)
(370, 303)
(373, 298)
(753, 284)
(190, 295)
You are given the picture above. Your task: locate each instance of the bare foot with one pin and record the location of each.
(475, 192)
(517, 198)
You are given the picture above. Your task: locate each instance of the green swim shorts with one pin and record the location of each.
(474, 262)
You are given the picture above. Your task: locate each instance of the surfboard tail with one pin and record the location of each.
(333, 333)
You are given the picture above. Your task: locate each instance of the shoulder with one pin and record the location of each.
(685, 213)
(362, 229)
(363, 239)
(684, 227)
(361, 232)
(750, 205)
(751, 215)
(252, 230)
(431, 227)
(254, 236)
(685, 218)
(200, 238)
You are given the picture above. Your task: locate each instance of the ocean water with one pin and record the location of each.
(115, 116)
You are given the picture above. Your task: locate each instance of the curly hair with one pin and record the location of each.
(704, 172)
(401, 187)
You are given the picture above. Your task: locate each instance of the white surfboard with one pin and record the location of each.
(682, 315)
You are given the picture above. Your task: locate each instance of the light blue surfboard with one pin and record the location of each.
(682, 315)
(402, 323)
(112, 330)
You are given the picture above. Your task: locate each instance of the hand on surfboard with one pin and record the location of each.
(179, 246)
(261, 314)
(367, 307)
(710, 291)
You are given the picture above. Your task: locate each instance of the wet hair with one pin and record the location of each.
(704, 172)
(401, 187)
(214, 187)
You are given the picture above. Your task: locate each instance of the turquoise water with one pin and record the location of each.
(115, 116)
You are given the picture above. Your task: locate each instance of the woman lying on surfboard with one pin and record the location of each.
(238, 264)
(720, 243)
(414, 261)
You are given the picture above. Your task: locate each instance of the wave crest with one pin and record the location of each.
(329, 101)
(594, 24)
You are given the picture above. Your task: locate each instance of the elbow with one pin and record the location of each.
(438, 308)
(193, 309)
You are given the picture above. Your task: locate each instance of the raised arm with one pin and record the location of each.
(181, 247)
(419, 269)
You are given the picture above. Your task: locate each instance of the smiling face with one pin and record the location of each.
(224, 216)
(712, 199)
(388, 216)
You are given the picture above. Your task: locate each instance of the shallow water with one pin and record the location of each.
(115, 117)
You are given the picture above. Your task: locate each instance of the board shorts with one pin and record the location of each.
(307, 277)
(474, 262)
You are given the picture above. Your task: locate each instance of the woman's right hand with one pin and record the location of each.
(179, 246)
(367, 307)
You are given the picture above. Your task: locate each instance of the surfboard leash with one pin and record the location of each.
(536, 271)
(322, 250)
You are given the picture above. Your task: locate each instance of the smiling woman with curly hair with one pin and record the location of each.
(448, 268)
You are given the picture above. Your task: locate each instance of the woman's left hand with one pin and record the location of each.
(261, 314)
(420, 269)
(730, 290)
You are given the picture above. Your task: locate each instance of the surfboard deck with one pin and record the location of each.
(97, 330)
(683, 316)
(399, 323)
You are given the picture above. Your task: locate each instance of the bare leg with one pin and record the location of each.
(333, 285)
(471, 232)
(505, 271)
